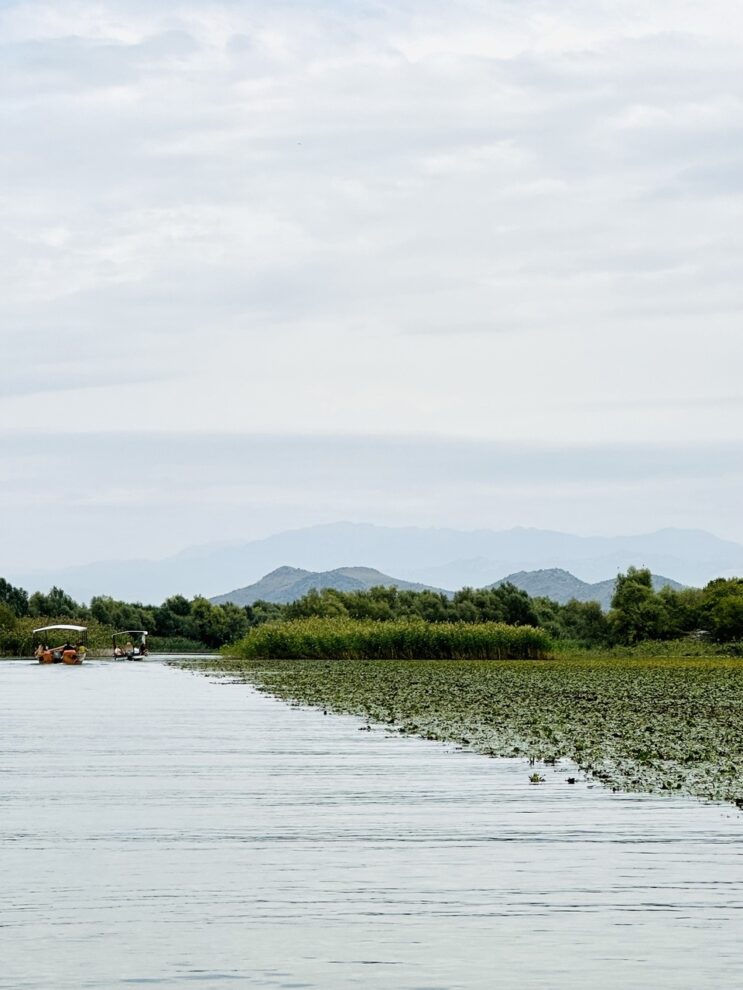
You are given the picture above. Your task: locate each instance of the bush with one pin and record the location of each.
(346, 639)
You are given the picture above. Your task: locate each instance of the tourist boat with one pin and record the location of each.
(135, 644)
(71, 650)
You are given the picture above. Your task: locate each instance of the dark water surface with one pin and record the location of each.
(160, 829)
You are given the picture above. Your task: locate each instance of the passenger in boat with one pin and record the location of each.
(118, 652)
(40, 651)
(129, 649)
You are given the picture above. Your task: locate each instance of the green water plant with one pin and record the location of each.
(670, 725)
(348, 639)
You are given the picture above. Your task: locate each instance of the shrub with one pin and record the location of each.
(346, 639)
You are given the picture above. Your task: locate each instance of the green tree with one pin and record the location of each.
(14, 598)
(8, 618)
(325, 604)
(216, 625)
(261, 612)
(684, 610)
(103, 610)
(505, 603)
(55, 605)
(585, 622)
(122, 615)
(549, 615)
(637, 613)
(723, 608)
(206, 621)
(234, 622)
(378, 603)
(727, 618)
(173, 618)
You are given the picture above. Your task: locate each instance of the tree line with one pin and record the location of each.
(638, 613)
(195, 620)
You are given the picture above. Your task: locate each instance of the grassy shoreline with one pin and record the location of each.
(642, 724)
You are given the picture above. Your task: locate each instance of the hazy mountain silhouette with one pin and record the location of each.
(561, 586)
(447, 558)
(287, 584)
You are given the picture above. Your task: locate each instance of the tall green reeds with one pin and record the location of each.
(347, 639)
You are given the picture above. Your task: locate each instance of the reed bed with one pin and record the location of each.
(346, 639)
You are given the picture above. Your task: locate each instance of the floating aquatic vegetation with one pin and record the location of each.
(636, 724)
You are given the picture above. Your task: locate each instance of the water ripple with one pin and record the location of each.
(159, 828)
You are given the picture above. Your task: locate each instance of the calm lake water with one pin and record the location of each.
(158, 828)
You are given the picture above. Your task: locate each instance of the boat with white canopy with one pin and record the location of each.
(72, 644)
(130, 644)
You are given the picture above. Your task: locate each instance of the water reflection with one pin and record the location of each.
(161, 828)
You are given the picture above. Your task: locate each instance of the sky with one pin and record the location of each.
(270, 264)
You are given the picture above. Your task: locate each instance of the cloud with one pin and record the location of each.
(513, 223)
(72, 64)
(143, 467)
(678, 402)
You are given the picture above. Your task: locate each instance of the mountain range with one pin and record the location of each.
(562, 586)
(287, 584)
(446, 558)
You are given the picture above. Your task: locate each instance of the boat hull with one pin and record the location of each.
(71, 658)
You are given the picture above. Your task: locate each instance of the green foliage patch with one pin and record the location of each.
(347, 639)
(636, 724)
(178, 625)
(638, 615)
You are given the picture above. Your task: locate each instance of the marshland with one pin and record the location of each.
(641, 724)
(528, 775)
(646, 697)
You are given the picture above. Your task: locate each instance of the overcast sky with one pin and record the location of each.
(440, 263)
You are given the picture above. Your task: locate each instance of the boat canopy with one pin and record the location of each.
(132, 632)
(79, 629)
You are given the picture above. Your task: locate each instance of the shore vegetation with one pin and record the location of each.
(178, 625)
(349, 639)
(639, 615)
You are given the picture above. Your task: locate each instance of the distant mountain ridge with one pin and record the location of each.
(287, 584)
(562, 586)
(442, 558)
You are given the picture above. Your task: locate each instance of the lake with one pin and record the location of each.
(160, 828)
